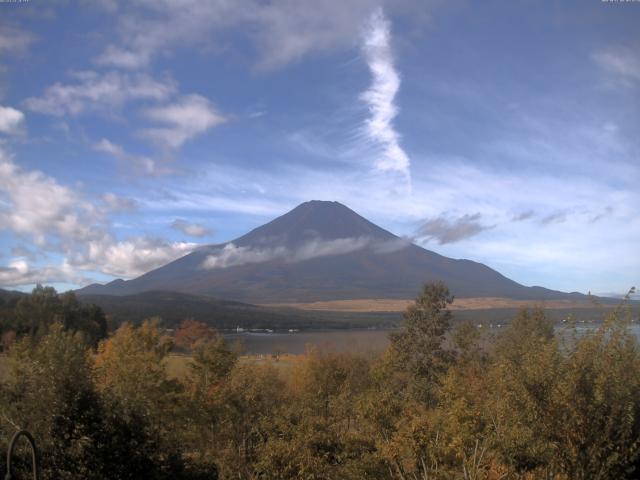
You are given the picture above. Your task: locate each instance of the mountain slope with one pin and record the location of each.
(174, 307)
(320, 251)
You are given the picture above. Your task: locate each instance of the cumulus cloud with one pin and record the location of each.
(122, 58)
(621, 61)
(58, 219)
(131, 257)
(189, 116)
(232, 255)
(36, 205)
(95, 91)
(380, 96)
(444, 230)
(11, 120)
(191, 229)
(19, 273)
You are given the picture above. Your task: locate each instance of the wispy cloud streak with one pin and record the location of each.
(380, 96)
(231, 255)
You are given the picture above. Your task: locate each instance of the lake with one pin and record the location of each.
(357, 341)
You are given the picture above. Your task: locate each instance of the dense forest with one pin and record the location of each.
(439, 403)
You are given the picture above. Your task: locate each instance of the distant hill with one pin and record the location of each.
(321, 251)
(174, 307)
(10, 296)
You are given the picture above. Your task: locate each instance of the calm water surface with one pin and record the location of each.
(357, 341)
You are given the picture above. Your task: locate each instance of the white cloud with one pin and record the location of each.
(281, 32)
(57, 219)
(14, 40)
(19, 273)
(189, 116)
(287, 31)
(34, 204)
(117, 57)
(231, 255)
(99, 92)
(137, 163)
(381, 94)
(115, 203)
(11, 120)
(621, 61)
(322, 248)
(131, 257)
(191, 229)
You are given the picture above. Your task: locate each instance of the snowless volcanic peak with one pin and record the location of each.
(320, 251)
(314, 219)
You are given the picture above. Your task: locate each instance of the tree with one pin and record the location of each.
(50, 393)
(419, 349)
(130, 374)
(247, 403)
(191, 333)
(213, 360)
(35, 313)
(527, 369)
(598, 435)
(320, 433)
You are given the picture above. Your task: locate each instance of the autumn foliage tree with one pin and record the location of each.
(444, 401)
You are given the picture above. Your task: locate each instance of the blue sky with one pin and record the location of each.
(502, 132)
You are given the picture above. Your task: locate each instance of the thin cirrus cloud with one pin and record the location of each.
(136, 163)
(445, 230)
(621, 61)
(281, 32)
(380, 96)
(189, 228)
(14, 40)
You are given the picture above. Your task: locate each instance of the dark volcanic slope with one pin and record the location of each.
(321, 251)
(174, 307)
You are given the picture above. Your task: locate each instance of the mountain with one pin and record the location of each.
(10, 296)
(320, 251)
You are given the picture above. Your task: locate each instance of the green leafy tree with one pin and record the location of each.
(35, 313)
(598, 433)
(49, 392)
(420, 350)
